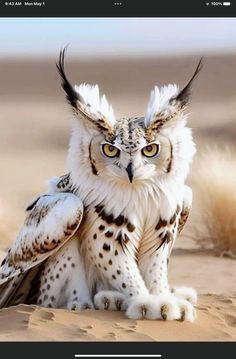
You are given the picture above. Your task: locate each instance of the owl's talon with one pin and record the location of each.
(78, 306)
(164, 311)
(110, 300)
(143, 310)
(106, 303)
(164, 307)
(118, 304)
(182, 318)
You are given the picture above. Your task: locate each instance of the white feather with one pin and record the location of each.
(159, 101)
(97, 104)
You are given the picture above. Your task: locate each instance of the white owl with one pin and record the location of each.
(102, 235)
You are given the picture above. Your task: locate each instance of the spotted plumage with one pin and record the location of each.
(103, 233)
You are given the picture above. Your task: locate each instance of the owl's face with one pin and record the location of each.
(131, 150)
(130, 157)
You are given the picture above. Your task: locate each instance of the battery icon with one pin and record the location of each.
(226, 3)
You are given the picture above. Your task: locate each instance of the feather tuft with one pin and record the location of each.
(159, 101)
(94, 103)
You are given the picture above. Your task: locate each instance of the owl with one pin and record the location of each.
(102, 235)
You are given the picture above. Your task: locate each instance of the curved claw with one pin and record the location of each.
(182, 318)
(106, 303)
(143, 310)
(164, 311)
(118, 304)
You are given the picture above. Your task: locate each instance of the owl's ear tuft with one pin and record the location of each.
(159, 103)
(184, 95)
(93, 111)
(167, 104)
(71, 95)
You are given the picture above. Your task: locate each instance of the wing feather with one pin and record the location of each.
(183, 218)
(50, 222)
(22, 288)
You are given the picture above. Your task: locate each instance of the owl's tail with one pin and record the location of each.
(22, 288)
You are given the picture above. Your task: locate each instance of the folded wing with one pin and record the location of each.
(50, 222)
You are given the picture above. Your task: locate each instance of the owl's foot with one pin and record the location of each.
(79, 305)
(186, 293)
(110, 300)
(164, 307)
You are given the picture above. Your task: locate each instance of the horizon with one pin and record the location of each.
(116, 37)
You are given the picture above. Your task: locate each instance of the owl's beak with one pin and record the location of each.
(130, 172)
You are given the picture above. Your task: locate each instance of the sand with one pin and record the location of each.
(213, 277)
(216, 321)
(34, 132)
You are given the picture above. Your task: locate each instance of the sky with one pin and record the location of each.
(107, 37)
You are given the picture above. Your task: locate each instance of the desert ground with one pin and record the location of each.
(34, 130)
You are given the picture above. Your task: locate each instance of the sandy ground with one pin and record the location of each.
(216, 321)
(34, 132)
(216, 311)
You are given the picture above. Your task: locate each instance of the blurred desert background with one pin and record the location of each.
(126, 58)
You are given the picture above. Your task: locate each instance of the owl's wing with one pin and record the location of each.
(183, 218)
(61, 184)
(185, 209)
(184, 213)
(181, 223)
(50, 222)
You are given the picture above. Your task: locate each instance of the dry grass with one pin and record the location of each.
(215, 188)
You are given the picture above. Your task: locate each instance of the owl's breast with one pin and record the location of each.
(109, 231)
(127, 225)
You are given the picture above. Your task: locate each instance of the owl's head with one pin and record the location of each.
(129, 150)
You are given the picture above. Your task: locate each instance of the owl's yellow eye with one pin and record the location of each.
(109, 150)
(151, 150)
